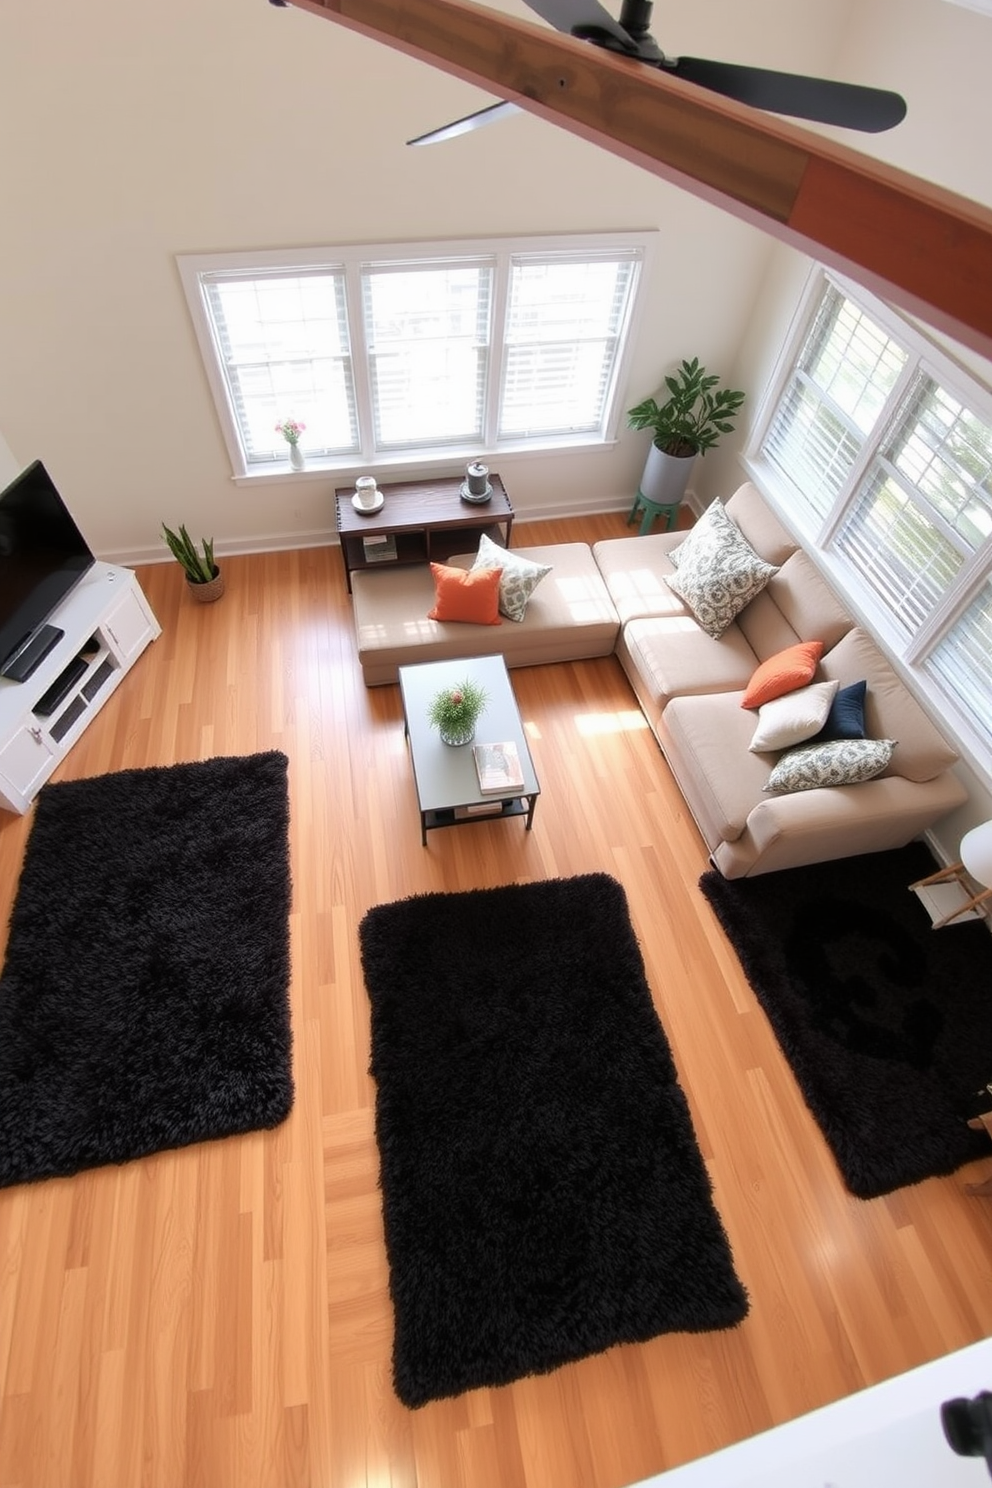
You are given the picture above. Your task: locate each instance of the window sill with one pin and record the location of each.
(422, 462)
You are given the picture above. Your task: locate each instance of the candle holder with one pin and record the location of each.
(476, 487)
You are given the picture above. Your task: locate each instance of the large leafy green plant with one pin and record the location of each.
(693, 417)
(200, 568)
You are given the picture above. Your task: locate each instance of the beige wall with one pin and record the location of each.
(136, 132)
(8, 465)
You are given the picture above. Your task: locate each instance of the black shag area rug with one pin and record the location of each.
(887, 1023)
(144, 997)
(543, 1194)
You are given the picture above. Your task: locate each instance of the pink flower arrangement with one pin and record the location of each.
(290, 429)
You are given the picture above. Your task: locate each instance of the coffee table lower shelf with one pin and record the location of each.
(465, 816)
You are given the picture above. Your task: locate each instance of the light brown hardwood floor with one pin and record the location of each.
(219, 1316)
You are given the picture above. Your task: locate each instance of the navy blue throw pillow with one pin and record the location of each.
(846, 719)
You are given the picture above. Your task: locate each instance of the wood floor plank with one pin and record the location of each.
(220, 1315)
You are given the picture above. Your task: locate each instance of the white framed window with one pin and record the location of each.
(393, 354)
(877, 447)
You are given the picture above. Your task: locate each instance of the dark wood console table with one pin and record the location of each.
(422, 522)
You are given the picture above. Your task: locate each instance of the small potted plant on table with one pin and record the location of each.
(454, 711)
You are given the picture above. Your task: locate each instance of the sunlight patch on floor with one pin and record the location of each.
(627, 721)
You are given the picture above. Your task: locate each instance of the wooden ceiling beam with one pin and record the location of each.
(910, 241)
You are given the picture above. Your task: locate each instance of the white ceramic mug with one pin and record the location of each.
(366, 491)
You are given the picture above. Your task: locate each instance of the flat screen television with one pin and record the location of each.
(43, 555)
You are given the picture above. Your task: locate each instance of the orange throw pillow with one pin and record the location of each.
(466, 594)
(782, 673)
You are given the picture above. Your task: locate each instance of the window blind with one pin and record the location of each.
(925, 506)
(427, 331)
(945, 453)
(563, 328)
(837, 389)
(899, 553)
(284, 350)
(963, 660)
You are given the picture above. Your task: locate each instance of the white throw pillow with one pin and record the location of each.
(840, 762)
(717, 570)
(794, 718)
(518, 578)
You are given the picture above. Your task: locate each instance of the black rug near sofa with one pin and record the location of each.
(887, 1023)
(543, 1193)
(144, 996)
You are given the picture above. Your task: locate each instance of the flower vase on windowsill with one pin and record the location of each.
(291, 429)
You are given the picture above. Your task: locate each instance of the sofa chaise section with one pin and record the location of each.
(705, 740)
(569, 617)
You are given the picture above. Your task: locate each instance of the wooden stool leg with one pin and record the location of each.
(943, 875)
(633, 510)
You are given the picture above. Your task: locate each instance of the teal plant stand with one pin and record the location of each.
(652, 510)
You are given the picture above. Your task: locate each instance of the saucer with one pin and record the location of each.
(367, 511)
(467, 495)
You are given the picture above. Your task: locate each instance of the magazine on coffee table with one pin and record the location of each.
(499, 768)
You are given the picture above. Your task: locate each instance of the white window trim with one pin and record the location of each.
(908, 657)
(351, 258)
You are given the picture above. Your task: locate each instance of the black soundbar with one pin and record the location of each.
(60, 688)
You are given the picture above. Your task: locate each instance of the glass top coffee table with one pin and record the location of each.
(448, 793)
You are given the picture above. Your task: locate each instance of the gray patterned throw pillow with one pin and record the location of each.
(518, 578)
(839, 762)
(718, 572)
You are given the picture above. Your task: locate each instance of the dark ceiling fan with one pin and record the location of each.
(846, 104)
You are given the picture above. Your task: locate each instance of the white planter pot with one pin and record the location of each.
(665, 477)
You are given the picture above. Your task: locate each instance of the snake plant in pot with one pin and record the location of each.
(203, 578)
(689, 422)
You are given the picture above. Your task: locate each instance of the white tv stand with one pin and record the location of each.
(107, 623)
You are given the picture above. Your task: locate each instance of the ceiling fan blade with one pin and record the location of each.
(847, 104)
(466, 125)
(586, 18)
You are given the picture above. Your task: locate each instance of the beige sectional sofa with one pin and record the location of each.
(690, 687)
(614, 597)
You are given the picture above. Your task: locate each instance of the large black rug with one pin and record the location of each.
(887, 1023)
(543, 1193)
(144, 996)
